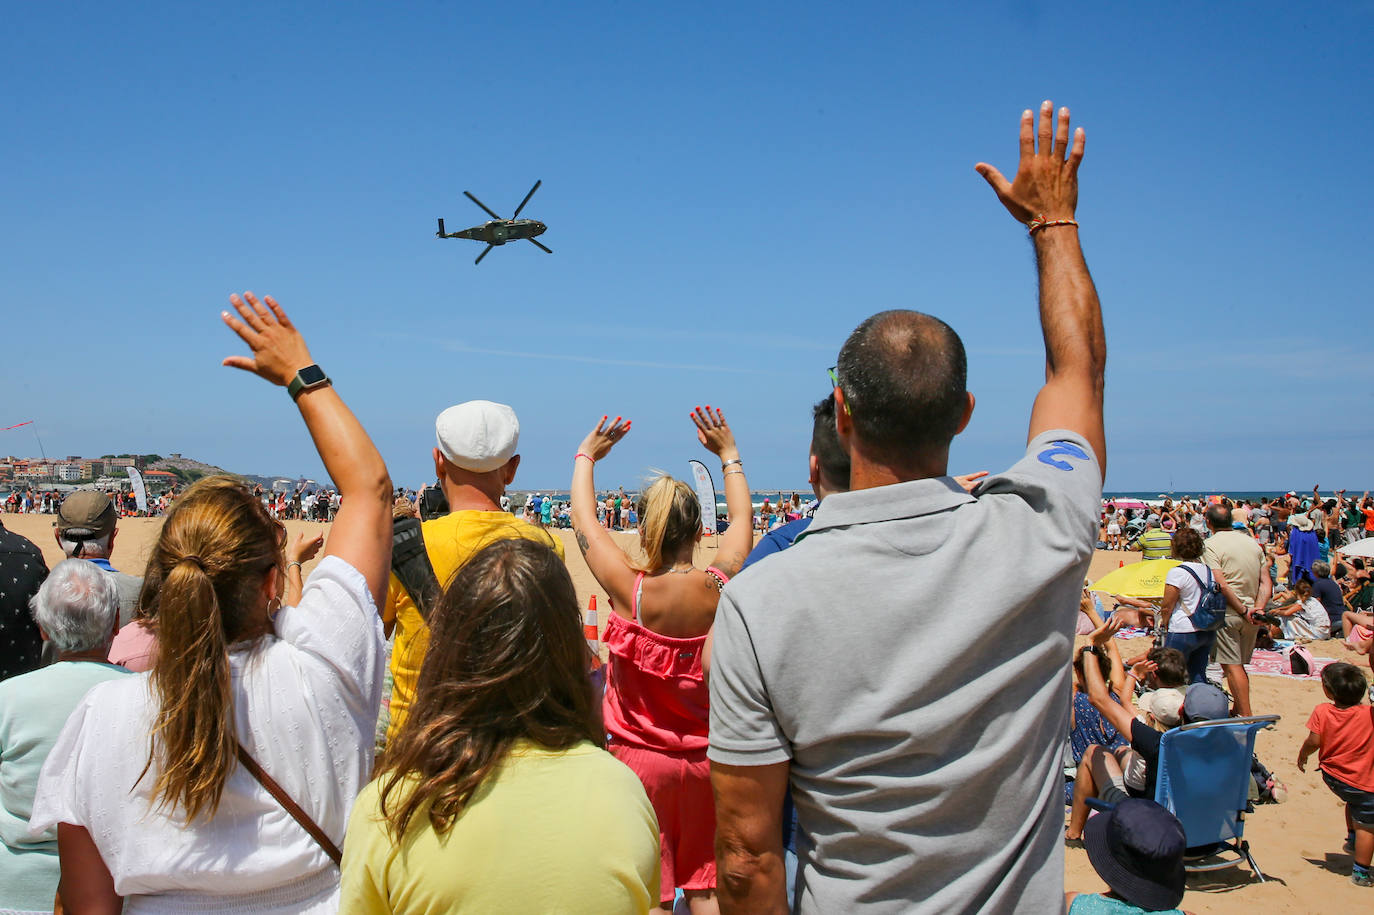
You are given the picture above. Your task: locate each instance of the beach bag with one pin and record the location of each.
(1297, 662)
(1210, 614)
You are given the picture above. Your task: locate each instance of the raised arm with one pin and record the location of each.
(607, 561)
(361, 535)
(1044, 196)
(714, 433)
(1115, 714)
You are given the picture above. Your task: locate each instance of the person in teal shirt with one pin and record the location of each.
(76, 609)
(1137, 849)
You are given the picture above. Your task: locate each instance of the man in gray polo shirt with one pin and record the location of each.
(914, 688)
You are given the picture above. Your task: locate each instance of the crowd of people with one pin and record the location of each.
(732, 750)
(46, 502)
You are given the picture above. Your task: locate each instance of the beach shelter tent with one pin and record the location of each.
(1360, 548)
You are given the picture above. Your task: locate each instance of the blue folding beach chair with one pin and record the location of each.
(1204, 780)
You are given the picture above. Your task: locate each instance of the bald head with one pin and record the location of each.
(904, 376)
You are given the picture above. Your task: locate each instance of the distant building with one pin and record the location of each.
(68, 471)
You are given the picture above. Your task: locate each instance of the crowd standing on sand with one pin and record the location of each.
(732, 752)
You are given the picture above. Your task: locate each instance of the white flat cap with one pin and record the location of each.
(478, 435)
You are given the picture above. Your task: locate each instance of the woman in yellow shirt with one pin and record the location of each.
(497, 795)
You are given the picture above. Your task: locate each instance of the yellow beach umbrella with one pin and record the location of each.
(1139, 579)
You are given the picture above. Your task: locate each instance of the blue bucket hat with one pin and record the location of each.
(1137, 847)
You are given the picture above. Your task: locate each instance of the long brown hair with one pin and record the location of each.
(201, 590)
(506, 660)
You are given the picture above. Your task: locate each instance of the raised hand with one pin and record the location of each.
(1104, 633)
(714, 432)
(600, 440)
(968, 482)
(1046, 182)
(1142, 669)
(303, 548)
(279, 350)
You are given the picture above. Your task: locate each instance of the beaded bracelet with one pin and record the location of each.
(1040, 222)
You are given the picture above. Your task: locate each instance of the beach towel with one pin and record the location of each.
(1272, 664)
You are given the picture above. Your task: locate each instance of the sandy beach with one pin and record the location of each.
(1297, 844)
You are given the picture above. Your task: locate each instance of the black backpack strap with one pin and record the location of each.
(411, 565)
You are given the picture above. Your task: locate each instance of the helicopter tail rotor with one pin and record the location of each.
(481, 204)
(539, 245)
(484, 253)
(527, 199)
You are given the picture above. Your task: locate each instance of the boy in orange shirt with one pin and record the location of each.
(1341, 733)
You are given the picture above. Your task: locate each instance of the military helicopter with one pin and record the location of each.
(498, 231)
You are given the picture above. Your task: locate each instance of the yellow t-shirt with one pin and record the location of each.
(450, 541)
(550, 831)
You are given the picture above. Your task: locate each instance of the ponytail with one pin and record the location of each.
(669, 516)
(203, 587)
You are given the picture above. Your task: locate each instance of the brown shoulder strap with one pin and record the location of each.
(290, 806)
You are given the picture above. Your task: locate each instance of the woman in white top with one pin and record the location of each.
(1181, 596)
(1302, 619)
(153, 810)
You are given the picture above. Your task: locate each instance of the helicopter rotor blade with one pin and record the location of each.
(539, 245)
(527, 199)
(484, 253)
(480, 204)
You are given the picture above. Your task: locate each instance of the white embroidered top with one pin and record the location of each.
(305, 707)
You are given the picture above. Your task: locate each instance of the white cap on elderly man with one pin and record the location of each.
(478, 435)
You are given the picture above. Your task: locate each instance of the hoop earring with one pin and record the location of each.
(273, 611)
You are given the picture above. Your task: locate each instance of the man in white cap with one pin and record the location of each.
(475, 461)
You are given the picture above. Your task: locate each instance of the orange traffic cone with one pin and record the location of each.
(589, 631)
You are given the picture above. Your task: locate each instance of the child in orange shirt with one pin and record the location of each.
(1341, 733)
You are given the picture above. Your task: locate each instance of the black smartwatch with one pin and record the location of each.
(307, 379)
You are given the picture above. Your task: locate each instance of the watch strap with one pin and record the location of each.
(296, 386)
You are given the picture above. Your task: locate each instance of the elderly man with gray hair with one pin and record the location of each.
(86, 530)
(75, 610)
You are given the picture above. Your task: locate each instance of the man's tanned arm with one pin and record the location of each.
(750, 876)
(1045, 191)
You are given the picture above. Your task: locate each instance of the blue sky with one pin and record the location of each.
(729, 189)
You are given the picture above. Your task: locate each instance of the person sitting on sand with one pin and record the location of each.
(1341, 733)
(1170, 671)
(1137, 848)
(1301, 616)
(656, 701)
(1101, 773)
(1087, 727)
(496, 795)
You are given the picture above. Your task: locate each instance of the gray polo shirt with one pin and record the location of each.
(917, 678)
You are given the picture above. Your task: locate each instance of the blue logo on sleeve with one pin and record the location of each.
(1056, 450)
